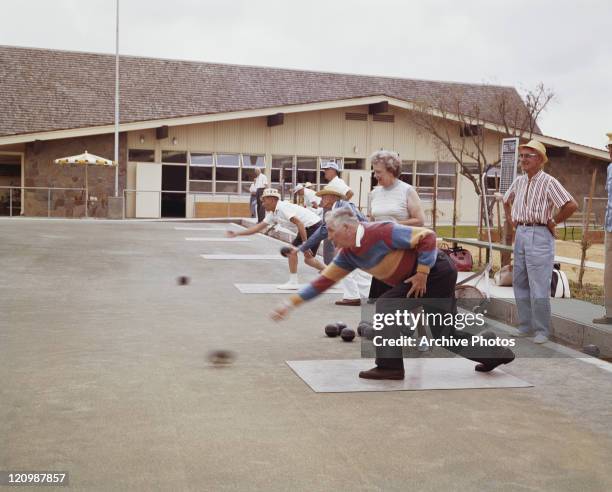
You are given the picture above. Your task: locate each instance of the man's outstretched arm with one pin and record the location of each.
(248, 232)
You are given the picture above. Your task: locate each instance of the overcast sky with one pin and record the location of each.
(567, 45)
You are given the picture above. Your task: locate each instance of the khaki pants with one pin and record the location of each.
(608, 275)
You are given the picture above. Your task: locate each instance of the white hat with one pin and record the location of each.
(307, 184)
(271, 192)
(332, 190)
(330, 165)
(297, 188)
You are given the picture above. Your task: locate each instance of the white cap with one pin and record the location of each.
(330, 165)
(271, 192)
(297, 188)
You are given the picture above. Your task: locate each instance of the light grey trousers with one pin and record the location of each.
(608, 275)
(534, 253)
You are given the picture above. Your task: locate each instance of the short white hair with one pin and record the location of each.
(341, 216)
(391, 161)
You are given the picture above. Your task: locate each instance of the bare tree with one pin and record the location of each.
(460, 122)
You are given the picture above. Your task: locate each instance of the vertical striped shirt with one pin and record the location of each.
(533, 199)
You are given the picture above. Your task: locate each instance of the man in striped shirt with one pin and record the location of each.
(530, 201)
(405, 258)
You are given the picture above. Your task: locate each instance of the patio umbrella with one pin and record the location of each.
(86, 160)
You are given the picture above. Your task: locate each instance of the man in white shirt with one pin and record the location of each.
(331, 171)
(260, 182)
(306, 221)
(357, 284)
(310, 198)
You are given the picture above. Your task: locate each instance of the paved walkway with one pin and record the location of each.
(103, 363)
(572, 309)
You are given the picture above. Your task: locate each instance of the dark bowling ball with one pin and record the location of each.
(341, 326)
(331, 330)
(221, 357)
(369, 332)
(182, 280)
(347, 335)
(592, 350)
(285, 250)
(361, 327)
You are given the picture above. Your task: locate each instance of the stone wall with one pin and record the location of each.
(41, 171)
(574, 172)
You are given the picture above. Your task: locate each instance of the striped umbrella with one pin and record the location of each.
(86, 160)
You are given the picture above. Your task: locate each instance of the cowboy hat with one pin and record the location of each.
(332, 190)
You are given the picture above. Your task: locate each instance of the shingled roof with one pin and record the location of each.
(44, 90)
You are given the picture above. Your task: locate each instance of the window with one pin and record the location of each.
(249, 163)
(306, 169)
(354, 163)
(141, 155)
(201, 172)
(174, 156)
(226, 173)
(406, 173)
(10, 175)
(470, 131)
(425, 179)
(284, 163)
(201, 186)
(447, 174)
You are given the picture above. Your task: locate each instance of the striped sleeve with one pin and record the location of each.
(335, 271)
(421, 239)
(557, 193)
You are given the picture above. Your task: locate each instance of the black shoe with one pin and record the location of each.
(487, 365)
(378, 373)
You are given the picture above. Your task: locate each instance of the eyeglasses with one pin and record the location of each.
(527, 156)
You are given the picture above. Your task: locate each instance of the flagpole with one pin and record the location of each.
(116, 159)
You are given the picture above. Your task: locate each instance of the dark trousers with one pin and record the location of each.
(378, 288)
(261, 213)
(438, 299)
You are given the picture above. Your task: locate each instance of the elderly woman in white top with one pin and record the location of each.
(392, 200)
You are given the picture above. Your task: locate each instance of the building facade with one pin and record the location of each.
(196, 158)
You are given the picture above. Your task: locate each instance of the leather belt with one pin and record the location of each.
(531, 224)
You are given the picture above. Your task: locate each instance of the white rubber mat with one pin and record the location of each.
(342, 376)
(216, 229)
(272, 289)
(219, 239)
(244, 257)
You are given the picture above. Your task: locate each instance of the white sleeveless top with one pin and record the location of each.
(391, 203)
